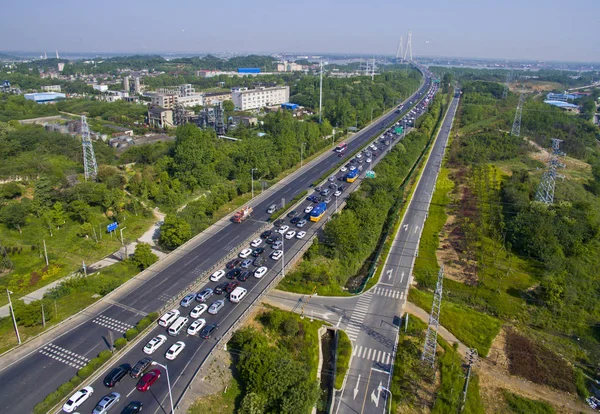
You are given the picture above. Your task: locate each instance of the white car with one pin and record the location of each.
(343, 169)
(244, 254)
(154, 344)
(260, 272)
(352, 168)
(359, 155)
(198, 310)
(337, 193)
(308, 209)
(215, 277)
(290, 234)
(368, 159)
(300, 234)
(256, 242)
(175, 350)
(195, 327)
(276, 255)
(168, 318)
(283, 229)
(77, 399)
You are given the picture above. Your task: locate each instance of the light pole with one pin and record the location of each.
(390, 402)
(12, 312)
(336, 198)
(123, 243)
(372, 109)
(252, 173)
(168, 383)
(302, 152)
(282, 257)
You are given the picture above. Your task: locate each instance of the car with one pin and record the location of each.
(277, 245)
(258, 251)
(316, 200)
(290, 234)
(361, 161)
(295, 220)
(259, 261)
(300, 234)
(260, 272)
(276, 255)
(106, 403)
(196, 326)
(325, 192)
(220, 288)
(359, 156)
(198, 310)
(342, 187)
(369, 160)
(332, 178)
(317, 189)
(256, 242)
(208, 330)
(147, 380)
(245, 264)
(116, 375)
(168, 318)
(187, 301)
(273, 238)
(139, 368)
(266, 234)
(327, 200)
(216, 307)
(334, 185)
(245, 253)
(292, 213)
(272, 208)
(244, 276)
(133, 407)
(337, 193)
(375, 154)
(232, 263)
(301, 223)
(308, 209)
(230, 286)
(77, 399)
(215, 277)
(343, 169)
(283, 229)
(233, 273)
(154, 344)
(205, 294)
(352, 168)
(175, 350)
(310, 198)
(278, 223)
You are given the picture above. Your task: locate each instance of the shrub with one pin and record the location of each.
(120, 343)
(75, 381)
(131, 334)
(152, 316)
(65, 388)
(344, 351)
(104, 355)
(143, 324)
(85, 372)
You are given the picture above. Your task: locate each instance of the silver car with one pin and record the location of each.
(216, 307)
(106, 403)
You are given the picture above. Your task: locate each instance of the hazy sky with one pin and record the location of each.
(513, 29)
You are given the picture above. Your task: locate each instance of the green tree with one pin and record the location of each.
(14, 215)
(228, 106)
(143, 256)
(174, 232)
(58, 215)
(253, 403)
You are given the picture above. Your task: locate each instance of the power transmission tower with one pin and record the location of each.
(90, 167)
(408, 47)
(321, 90)
(508, 80)
(516, 129)
(400, 50)
(545, 190)
(430, 346)
(472, 358)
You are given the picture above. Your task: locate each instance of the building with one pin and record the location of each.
(101, 88)
(560, 97)
(126, 83)
(192, 100)
(563, 105)
(164, 101)
(45, 97)
(160, 117)
(61, 67)
(245, 99)
(212, 73)
(211, 98)
(51, 88)
(249, 71)
(286, 66)
(184, 95)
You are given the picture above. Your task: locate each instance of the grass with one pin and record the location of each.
(474, 329)
(344, 351)
(222, 403)
(522, 405)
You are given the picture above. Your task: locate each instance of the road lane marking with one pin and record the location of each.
(130, 392)
(366, 389)
(111, 323)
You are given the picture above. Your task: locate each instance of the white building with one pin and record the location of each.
(164, 100)
(191, 100)
(245, 99)
(101, 88)
(51, 88)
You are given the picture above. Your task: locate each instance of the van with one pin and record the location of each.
(178, 326)
(271, 209)
(237, 294)
(168, 318)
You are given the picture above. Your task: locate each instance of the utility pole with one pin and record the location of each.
(12, 312)
(123, 243)
(430, 347)
(45, 252)
(302, 152)
(321, 91)
(472, 358)
(43, 317)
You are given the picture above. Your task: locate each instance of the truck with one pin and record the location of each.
(242, 215)
(317, 213)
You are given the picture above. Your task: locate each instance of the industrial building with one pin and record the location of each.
(184, 95)
(164, 101)
(563, 105)
(160, 117)
(45, 97)
(212, 98)
(245, 99)
(560, 97)
(51, 88)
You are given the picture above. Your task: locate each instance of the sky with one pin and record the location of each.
(501, 29)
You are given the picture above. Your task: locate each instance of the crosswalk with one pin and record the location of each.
(358, 315)
(64, 355)
(390, 293)
(113, 324)
(375, 355)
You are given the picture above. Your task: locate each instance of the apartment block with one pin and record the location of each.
(245, 99)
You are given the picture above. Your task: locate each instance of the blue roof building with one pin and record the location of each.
(249, 70)
(560, 97)
(561, 104)
(45, 97)
(290, 106)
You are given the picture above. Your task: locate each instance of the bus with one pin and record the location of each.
(352, 176)
(341, 148)
(318, 212)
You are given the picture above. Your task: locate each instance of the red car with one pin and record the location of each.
(147, 380)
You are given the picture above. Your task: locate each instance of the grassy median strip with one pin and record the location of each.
(342, 362)
(285, 208)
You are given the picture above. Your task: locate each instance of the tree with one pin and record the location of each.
(253, 403)
(58, 215)
(143, 256)
(81, 211)
(174, 232)
(228, 106)
(14, 215)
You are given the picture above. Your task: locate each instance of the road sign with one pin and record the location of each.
(112, 227)
(370, 174)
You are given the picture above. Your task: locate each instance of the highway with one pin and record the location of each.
(41, 371)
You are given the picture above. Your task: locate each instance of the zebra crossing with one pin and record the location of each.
(358, 315)
(390, 293)
(113, 324)
(375, 355)
(64, 355)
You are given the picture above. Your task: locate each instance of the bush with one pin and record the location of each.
(152, 316)
(143, 324)
(120, 343)
(75, 381)
(85, 372)
(344, 351)
(131, 334)
(95, 363)
(104, 355)
(65, 388)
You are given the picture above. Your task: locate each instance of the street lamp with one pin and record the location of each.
(12, 312)
(382, 388)
(123, 243)
(282, 257)
(168, 383)
(302, 152)
(252, 173)
(372, 109)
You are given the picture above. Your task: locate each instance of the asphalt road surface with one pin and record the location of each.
(41, 371)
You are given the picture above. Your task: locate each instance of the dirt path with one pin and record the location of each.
(493, 376)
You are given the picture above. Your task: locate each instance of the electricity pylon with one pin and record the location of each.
(430, 346)
(545, 190)
(516, 129)
(90, 167)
